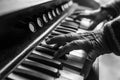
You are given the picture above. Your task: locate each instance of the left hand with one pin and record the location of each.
(97, 16)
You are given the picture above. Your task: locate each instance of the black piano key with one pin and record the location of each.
(49, 52)
(63, 31)
(41, 68)
(31, 74)
(67, 29)
(45, 50)
(70, 24)
(75, 22)
(42, 54)
(56, 33)
(46, 61)
(72, 62)
(71, 27)
(8, 78)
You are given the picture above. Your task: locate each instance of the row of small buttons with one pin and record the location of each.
(48, 17)
(67, 5)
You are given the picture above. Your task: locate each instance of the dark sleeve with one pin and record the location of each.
(112, 35)
(113, 8)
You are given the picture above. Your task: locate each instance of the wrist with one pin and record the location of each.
(110, 39)
(112, 9)
(109, 14)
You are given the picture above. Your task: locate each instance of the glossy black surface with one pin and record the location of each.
(17, 38)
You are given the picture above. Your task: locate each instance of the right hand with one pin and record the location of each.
(92, 42)
(96, 16)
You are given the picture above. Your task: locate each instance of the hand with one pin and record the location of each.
(96, 16)
(89, 41)
(92, 43)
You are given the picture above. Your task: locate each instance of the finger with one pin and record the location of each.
(74, 45)
(62, 39)
(88, 63)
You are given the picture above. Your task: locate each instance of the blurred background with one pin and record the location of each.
(94, 4)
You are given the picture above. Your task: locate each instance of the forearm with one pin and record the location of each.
(113, 8)
(112, 35)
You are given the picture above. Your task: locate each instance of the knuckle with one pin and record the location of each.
(75, 44)
(52, 39)
(87, 45)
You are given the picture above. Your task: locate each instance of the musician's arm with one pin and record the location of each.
(112, 35)
(113, 8)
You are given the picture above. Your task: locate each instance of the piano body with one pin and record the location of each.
(24, 27)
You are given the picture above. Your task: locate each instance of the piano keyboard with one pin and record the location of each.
(29, 57)
(40, 65)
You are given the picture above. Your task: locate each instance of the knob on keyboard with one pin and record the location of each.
(45, 18)
(50, 16)
(57, 11)
(53, 13)
(62, 7)
(32, 27)
(39, 22)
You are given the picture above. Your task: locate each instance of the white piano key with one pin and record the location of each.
(16, 77)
